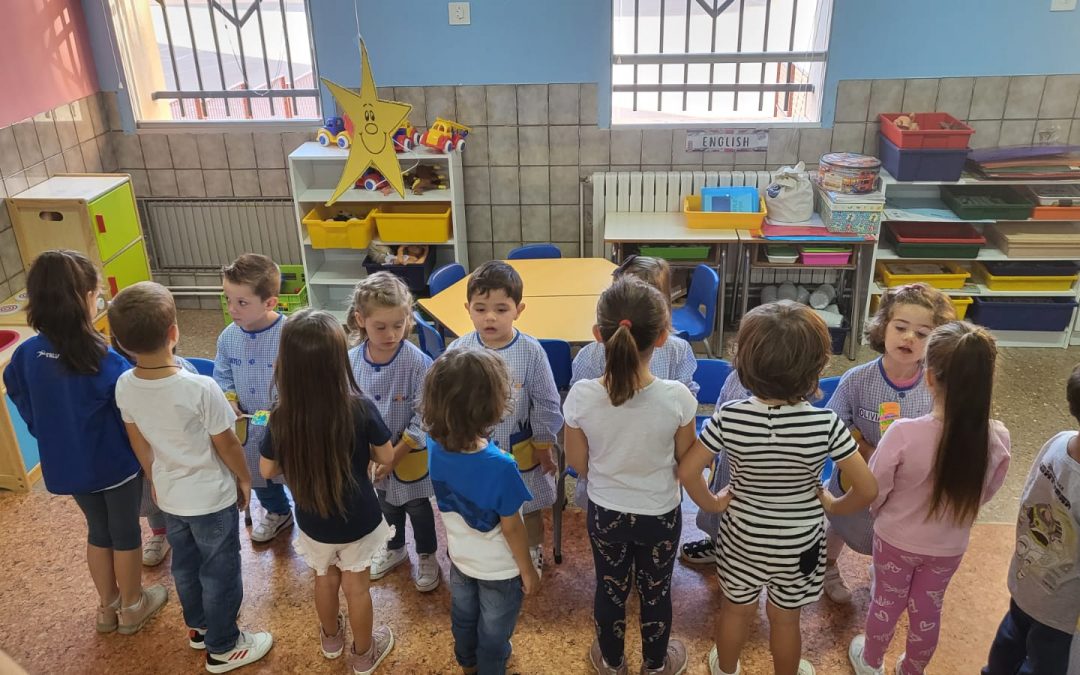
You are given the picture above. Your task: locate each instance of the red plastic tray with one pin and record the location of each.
(929, 135)
(918, 232)
(1056, 213)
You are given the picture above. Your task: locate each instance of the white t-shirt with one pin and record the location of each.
(632, 446)
(177, 415)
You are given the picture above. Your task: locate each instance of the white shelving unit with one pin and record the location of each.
(905, 195)
(332, 272)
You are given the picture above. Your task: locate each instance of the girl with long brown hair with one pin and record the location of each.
(933, 473)
(625, 433)
(322, 435)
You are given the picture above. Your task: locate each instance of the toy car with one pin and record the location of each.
(336, 131)
(373, 180)
(406, 137)
(445, 136)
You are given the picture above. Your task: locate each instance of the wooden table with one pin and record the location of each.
(622, 228)
(560, 299)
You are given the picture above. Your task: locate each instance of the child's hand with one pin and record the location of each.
(543, 455)
(530, 581)
(720, 501)
(826, 499)
(243, 494)
(153, 493)
(381, 471)
(236, 408)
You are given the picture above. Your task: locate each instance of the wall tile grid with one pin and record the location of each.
(71, 138)
(531, 144)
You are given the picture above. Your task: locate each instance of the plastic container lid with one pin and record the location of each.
(850, 160)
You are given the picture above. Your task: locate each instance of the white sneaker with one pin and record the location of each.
(270, 526)
(806, 668)
(427, 574)
(714, 664)
(537, 555)
(834, 586)
(387, 560)
(858, 662)
(250, 647)
(154, 550)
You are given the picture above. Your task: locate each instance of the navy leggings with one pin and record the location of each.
(112, 516)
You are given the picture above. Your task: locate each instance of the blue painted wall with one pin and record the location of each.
(519, 42)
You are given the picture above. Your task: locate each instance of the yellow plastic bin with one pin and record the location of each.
(941, 275)
(719, 220)
(960, 304)
(326, 231)
(413, 223)
(1021, 282)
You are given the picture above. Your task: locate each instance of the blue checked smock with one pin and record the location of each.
(860, 399)
(536, 414)
(673, 360)
(245, 365)
(395, 387)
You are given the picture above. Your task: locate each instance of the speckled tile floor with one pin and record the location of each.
(48, 602)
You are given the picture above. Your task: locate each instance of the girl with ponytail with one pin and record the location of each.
(625, 432)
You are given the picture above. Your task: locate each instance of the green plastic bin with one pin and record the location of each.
(981, 203)
(675, 252)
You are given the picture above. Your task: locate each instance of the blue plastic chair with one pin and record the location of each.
(710, 376)
(203, 366)
(431, 343)
(532, 251)
(697, 316)
(558, 355)
(827, 385)
(445, 277)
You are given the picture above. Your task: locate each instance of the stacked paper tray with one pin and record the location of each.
(1036, 240)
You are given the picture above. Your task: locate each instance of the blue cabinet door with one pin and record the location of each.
(28, 446)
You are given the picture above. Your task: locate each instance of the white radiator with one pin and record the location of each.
(206, 234)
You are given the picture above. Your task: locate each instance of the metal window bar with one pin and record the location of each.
(782, 85)
(192, 97)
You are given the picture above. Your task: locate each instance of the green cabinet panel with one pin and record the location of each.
(114, 221)
(127, 268)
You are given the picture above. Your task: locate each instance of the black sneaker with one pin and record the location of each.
(702, 552)
(197, 638)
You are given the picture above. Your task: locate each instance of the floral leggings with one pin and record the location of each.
(645, 546)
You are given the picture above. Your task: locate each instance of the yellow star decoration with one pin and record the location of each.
(374, 123)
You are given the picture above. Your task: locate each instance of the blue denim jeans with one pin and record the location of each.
(273, 497)
(1023, 646)
(482, 618)
(206, 569)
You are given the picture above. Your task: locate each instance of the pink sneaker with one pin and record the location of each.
(382, 641)
(333, 645)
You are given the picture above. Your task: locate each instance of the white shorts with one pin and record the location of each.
(355, 556)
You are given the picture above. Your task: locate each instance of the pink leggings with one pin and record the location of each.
(917, 582)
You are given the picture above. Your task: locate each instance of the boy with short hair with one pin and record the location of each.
(529, 429)
(1044, 577)
(244, 369)
(181, 428)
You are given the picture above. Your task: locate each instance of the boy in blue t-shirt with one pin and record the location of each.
(480, 493)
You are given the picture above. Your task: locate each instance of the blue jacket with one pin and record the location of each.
(81, 437)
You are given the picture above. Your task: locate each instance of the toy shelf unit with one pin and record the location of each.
(1023, 273)
(339, 242)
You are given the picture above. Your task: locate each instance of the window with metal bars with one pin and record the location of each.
(230, 60)
(701, 62)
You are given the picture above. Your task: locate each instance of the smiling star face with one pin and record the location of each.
(372, 135)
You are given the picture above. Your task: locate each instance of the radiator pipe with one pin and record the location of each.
(581, 216)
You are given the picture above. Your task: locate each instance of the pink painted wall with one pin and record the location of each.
(45, 56)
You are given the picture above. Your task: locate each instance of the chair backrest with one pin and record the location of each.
(444, 277)
(534, 251)
(202, 366)
(710, 376)
(704, 285)
(827, 385)
(558, 354)
(430, 341)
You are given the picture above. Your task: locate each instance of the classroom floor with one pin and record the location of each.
(48, 601)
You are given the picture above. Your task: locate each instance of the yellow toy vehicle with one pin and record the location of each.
(445, 136)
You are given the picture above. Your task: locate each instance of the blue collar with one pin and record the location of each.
(363, 354)
(263, 330)
(881, 369)
(508, 345)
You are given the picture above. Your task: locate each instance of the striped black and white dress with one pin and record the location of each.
(772, 534)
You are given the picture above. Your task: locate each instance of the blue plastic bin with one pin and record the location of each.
(1038, 314)
(943, 165)
(839, 337)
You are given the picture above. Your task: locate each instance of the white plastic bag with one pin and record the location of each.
(790, 198)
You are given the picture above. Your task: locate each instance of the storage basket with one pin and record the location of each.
(934, 240)
(415, 276)
(825, 255)
(705, 220)
(938, 275)
(1028, 314)
(1013, 276)
(928, 165)
(975, 202)
(930, 133)
(676, 252)
(413, 223)
(327, 231)
(848, 218)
